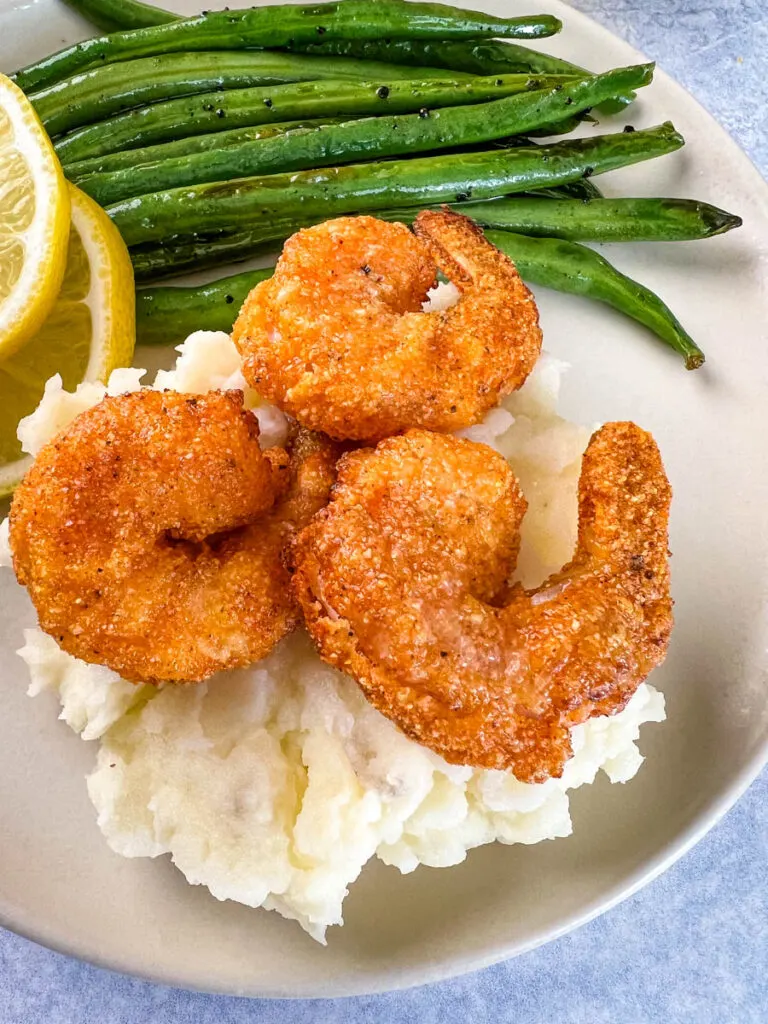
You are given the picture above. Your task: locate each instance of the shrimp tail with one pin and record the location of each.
(461, 251)
(624, 500)
(447, 235)
(621, 564)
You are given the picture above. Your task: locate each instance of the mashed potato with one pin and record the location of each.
(275, 785)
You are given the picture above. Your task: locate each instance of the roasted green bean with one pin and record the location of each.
(106, 91)
(240, 108)
(165, 316)
(186, 147)
(366, 139)
(578, 270)
(115, 15)
(278, 26)
(476, 56)
(159, 216)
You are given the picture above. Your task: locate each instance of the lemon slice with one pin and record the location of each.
(34, 220)
(89, 332)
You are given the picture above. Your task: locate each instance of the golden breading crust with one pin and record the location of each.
(338, 340)
(402, 575)
(150, 534)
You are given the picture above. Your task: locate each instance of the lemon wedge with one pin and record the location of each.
(89, 332)
(34, 220)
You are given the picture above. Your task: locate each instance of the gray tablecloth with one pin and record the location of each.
(692, 948)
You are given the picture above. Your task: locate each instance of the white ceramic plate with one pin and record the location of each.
(60, 884)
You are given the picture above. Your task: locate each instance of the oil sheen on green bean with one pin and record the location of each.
(374, 186)
(169, 158)
(477, 56)
(366, 139)
(106, 91)
(189, 146)
(605, 220)
(241, 108)
(278, 26)
(597, 220)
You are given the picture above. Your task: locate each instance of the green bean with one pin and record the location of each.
(198, 115)
(604, 220)
(476, 56)
(239, 204)
(573, 268)
(500, 55)
(582, 189)
(134, 159)
(106, 91)
(110, 15)
(186, 147)
(277, 26)
(599, 220)
(233, 137)
(594, 220)
(152, 262)
(366, 139)
(166, 316)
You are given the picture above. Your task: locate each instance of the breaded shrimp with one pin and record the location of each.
(337, 338)
(150, 534)
(402, 578)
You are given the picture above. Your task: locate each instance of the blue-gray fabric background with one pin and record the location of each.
(692, 948)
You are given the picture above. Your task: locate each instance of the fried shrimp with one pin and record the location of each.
(150, 533)
(403, 582)
(337, 338)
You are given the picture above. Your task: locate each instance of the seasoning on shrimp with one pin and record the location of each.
(150, 534)
(403, 582)
(338, 339)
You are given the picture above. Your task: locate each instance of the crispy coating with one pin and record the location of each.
(402, 578)
(337, 338)
(150, 534)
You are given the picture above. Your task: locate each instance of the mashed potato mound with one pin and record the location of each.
(274, 785)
